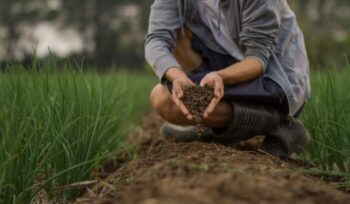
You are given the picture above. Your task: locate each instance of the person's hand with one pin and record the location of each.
(179, 85)
(180, 81)
(214, 80)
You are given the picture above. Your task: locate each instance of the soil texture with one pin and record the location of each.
(206, 173)
(196, 99)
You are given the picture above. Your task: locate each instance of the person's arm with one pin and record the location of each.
(161, 37)
(245, 70)
(160, 42)
(260, 24)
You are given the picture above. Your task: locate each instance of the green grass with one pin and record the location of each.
(327, 116)
(56, 126)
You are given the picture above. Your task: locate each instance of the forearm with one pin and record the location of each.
(161, 36)
(243, 71)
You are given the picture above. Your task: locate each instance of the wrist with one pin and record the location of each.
(223, 75)
(174, 73)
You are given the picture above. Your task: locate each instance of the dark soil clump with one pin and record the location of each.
(196, 99)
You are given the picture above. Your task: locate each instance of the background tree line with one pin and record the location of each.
(112, 31)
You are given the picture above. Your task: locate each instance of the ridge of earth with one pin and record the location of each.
(206, 173)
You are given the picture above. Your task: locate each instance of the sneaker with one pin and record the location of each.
(288, 137)
(179, 133)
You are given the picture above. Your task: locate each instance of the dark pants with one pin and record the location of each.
(261, 90)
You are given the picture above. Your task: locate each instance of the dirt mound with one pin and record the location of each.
(204, 173)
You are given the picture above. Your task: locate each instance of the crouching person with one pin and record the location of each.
(253, 54)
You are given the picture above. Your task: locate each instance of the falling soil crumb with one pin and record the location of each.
(196, 99)
(206, 173)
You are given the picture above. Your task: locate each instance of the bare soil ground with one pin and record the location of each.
(205, 173)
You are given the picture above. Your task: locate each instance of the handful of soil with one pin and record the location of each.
(196, 99)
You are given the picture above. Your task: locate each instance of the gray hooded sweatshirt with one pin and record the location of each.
(264, 29)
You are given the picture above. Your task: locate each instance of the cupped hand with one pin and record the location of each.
(179, 85)
(214, 80)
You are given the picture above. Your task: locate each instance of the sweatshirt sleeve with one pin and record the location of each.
(260, 25)
(161, 38)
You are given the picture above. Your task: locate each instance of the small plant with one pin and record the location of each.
(327, 116)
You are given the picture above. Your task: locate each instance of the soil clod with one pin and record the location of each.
(196, 99)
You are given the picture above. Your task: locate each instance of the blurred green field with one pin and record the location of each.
(57, 126)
